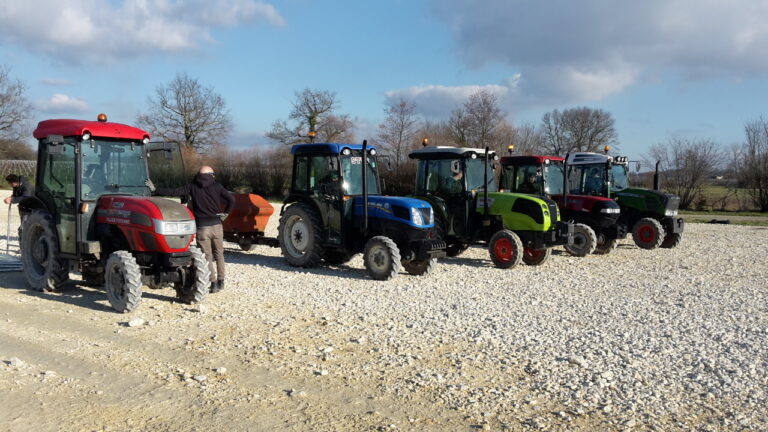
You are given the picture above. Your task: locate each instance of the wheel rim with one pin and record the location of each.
(40, 251)
(579, 240)
(502, 249)
(297, 236)
(116, 282)
(379, 258)
(646, 233)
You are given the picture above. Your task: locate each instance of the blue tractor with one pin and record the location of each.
(335, 210)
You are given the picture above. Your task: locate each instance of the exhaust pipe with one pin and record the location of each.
(365, 188)
(656, 179)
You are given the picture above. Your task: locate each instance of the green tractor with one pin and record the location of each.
(651, 214)
(335, 211)
(461, 186)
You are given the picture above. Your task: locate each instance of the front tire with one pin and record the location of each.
(299, 235)
(245, 244)
(420, 267)
(584, 241)
(536, 257)
(197, 283)
(122, 280)
(606, 246)
(506, 249)
(40, 259)
(672, 240)
(648, 233)
(381, 258)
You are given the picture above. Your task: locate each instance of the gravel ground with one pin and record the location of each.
(636, 340)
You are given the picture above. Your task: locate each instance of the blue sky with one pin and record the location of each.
(661, 67)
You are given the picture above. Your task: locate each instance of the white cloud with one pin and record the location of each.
(438, 100)
(566, 51)
(101, 31)
(61, 104)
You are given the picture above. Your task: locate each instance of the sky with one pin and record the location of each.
(662, 68)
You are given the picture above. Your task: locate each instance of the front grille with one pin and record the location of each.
(177, 241)
(425, 215)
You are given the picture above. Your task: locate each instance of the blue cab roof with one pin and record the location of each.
(325, 148)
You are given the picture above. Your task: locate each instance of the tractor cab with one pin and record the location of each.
(596, 217)
(460, 183)
(651, 214)
(335, 210)
(92, 212)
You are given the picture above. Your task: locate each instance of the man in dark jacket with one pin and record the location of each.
(207, 199)
(21, 189)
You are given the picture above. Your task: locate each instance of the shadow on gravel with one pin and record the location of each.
(235, 256)
(77, 293)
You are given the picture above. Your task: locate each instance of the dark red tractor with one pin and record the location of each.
(597, 227)
(92, 213)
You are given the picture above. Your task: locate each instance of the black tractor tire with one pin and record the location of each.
(452, 249)
(198, 281)
(40, 258)
(122, 281)
(336, 257)
(648, 233)
(420, 267)
(300, 236)
(606, 246)
(672, 240)
(381, 258)
(584, 241)
(506, 249)
(245, 244)
(455, 249)
(536, 257)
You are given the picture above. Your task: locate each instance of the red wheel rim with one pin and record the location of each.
(503, 250)
(646, 233)
(533, 254)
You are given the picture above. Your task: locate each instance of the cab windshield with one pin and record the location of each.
(588, 179)
(553, 173)
(113, 167)
(619, 178)
(352, 174)
(476, 177)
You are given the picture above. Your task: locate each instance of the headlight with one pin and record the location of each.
(175, 227)
(670, 212)
(416, 217)
(610, 210)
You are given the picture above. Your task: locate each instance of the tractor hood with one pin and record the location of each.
(413, 211)
(648, 200)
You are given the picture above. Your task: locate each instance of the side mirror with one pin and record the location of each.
(55, 149)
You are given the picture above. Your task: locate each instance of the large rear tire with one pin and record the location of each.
(381, 258)
(536, 257)
(197, 283)
(584, 241)
(672, 240)
(648, 233)
(506, 249)
(420, 267)
(300, 236)
(606, 246)
(40, 259)
(122, 280)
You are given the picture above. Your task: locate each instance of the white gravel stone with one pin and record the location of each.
(136, 322)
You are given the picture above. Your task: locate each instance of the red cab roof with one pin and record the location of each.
(69, 127)
(528, 160)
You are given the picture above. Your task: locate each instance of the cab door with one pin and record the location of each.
(58, 189)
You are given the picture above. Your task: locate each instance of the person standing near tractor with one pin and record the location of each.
(208, 197)
(21, 189)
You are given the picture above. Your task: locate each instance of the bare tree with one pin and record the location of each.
(185, 111)
(750, 162)
(313, 111)
(15, 110)
(578, 129)
(527, 140)
(477, 121)
(398, 133)
(686, 165)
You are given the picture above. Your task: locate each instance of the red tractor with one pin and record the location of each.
(92, 212)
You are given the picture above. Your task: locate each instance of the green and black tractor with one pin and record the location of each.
(461, 186)
(651, 214)
(335, 211)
